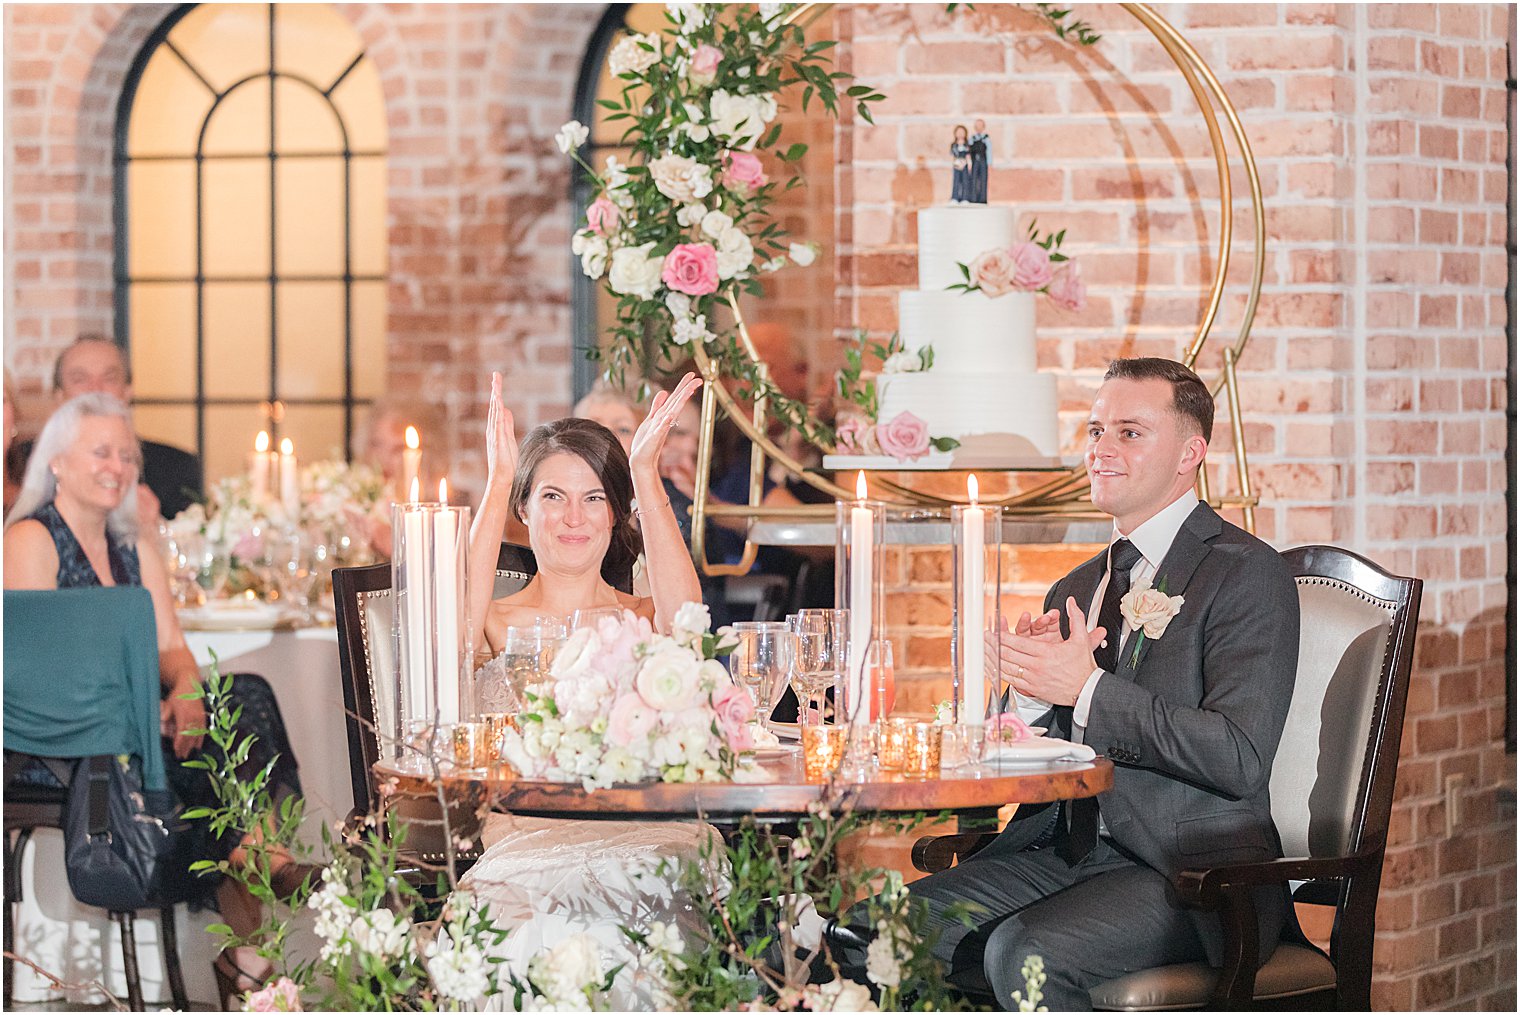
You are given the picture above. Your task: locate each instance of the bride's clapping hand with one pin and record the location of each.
(649, 441)
(501, 439)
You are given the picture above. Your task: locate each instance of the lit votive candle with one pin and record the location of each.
(822, 751)
(891, 743)
(921, 750)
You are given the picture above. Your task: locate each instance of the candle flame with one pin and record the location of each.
(971, 487)
(860, 486)
(443, 491)
(416, 490)
(411, 438)
(261, 442)
(287, 447)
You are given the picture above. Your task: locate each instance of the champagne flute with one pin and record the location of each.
(821, 647)
(763, 654)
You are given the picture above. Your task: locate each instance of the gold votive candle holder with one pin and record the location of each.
(497, 724)
(891, 744)
(473, 745)
(822, 750)
(921, 750)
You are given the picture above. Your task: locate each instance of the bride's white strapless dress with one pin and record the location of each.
(545, 879)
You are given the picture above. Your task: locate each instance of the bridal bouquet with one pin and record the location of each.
(624, 704)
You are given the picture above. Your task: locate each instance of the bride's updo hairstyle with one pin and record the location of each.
(600, 449)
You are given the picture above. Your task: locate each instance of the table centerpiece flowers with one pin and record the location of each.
(623, 704)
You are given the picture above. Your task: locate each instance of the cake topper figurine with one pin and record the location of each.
(968, 155)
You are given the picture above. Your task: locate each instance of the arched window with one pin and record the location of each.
(250, 229)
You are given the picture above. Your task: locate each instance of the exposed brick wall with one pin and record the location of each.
(1373, 384)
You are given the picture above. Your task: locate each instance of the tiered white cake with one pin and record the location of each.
(983, 388)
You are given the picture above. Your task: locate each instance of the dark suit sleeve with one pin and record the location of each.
(1226, 740)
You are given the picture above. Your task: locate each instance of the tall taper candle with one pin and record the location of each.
(861, 581)
(447, 601)
(973, 608)
(258, 472)
(290, 481)
(411, 460)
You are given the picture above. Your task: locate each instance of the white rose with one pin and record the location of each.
(901, 363)
(803, 254)
(668, 680)
(571, 136)
(679, 304)
(691, 214)
(688, 17)
(680, 178)
(634, 54)
(740, 118)
(691, 329)
(634, 272)
(593, 252)
(1149, 609)
(735, 253)
(691, 622)
(715, 224)
(574, 657)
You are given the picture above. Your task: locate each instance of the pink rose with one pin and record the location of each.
(248, 546)
(691, 268)
(856, 436)
(1031, 266)
(1068, 290)
(905, 437)
(742, 171)
(602, 217)
(992, 272)
(281, 995)
(630, 720)
(1008, 728)
(734, 709)
(704, 64)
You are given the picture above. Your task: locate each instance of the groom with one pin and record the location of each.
(1189, 710)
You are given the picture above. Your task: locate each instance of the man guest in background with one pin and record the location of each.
(1190, 715)
(171, 478)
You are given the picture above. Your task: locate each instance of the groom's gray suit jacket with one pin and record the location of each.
(1192, 727)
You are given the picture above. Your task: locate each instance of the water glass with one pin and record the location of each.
(761, 660)
(527, 654)
(592, 617)
(822, 641)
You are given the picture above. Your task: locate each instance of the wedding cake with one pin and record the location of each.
(982, 388)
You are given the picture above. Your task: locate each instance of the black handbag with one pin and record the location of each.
(126, 848)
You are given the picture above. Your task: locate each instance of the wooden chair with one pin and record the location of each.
(1332, 792)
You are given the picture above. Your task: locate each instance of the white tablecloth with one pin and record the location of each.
(80, 944)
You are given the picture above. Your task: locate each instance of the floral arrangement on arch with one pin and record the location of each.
(624, 704)
(687, 225)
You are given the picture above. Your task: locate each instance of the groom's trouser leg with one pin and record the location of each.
(1089, 923)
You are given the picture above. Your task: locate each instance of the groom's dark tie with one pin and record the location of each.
(1081, 832)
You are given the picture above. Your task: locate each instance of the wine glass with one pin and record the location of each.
(183, 552)
(528, 653)
(213, 566)
(821, 648)
(592, 616)
(762, 657)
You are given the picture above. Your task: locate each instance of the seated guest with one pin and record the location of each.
(1191, 716)
(12, 486)
(171, 478)
(75, 524)
(614, 408)
(381, 444)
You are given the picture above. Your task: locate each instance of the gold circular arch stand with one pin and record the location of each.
(1064, 495)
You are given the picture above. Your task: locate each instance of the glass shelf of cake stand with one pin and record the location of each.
(959, 460)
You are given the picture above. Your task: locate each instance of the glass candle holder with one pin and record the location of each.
(861, 532)
(921, 750)
(434, 677)
(976, 542)
(474, 746)
(891, 744)
(822, 751)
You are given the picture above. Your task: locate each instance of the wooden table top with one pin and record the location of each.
(784, 794)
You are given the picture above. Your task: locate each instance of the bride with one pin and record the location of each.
(545, 879)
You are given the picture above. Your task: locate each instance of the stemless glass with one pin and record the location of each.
(821, 649)
(760, 659)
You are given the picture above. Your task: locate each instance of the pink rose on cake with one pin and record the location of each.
(1031, 266)
(905, 437)
(1068, 290)
(856, 436)
(691, 268)
(992, 272)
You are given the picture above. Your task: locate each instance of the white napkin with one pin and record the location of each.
(1042, 749)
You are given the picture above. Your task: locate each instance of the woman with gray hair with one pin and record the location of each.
(75, 525)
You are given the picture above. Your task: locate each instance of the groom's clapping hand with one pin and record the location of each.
(1042, 664)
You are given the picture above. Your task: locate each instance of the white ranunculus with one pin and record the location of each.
(571, 136)
(634, 54)
(715, 224)
(691, 330)
(680, 178)
(802, 254)
(679, 304)
(691, 622)
(668, 680)
(574, 657)
(593, 253)
(739, 118)
(735, 253)
(635, 272)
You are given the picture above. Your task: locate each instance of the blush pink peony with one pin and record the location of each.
(630, 720)
(904, 437)
(1068, 290)
(602, 217)
(691, 268)
(992, 272)
(743, 171)
(1031, 266)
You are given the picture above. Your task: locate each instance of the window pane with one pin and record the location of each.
(367, 225)
(237, 340)
(303, 120)
(163, 340)
(309, 224)
(179, 102)
(313, 41)
(369, 339)
(240, 124)
(316, 431)
(310, 339)
(161, 228)
(225, 42)
(167, 424)
(361, 104)
(236, 229)
(230, 430)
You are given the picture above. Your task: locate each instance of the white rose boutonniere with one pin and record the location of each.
(1149, 610)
